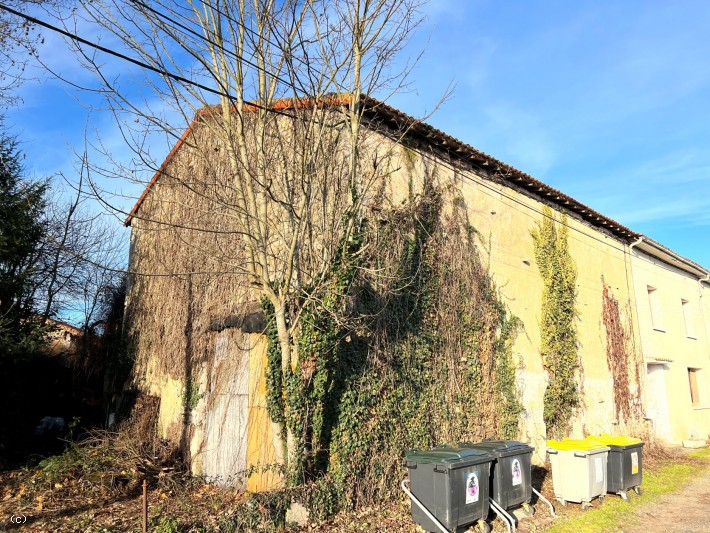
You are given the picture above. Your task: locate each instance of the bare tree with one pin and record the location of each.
(288, 79)
(19, 40)
(80, 256)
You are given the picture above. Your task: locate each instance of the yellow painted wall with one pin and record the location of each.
(221, 384)
(667, 338)
(261, 445)
(504, 218)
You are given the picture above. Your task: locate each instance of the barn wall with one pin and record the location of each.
(211, 383)
(215, 380)
(504, 218)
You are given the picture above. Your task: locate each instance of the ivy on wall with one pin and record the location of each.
(310, 389)
(558, 329)
(408, 345)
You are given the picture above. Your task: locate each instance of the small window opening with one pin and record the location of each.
(688, 317)
(693, 382)
(655, 306)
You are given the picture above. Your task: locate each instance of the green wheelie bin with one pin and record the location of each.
(624, 466)
(510, 480)
(452, 483)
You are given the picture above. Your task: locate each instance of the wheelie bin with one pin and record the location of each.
(452, 484)
(510, 479)
(624, 467)
(578, 470)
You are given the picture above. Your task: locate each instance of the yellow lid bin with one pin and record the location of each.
(575, 445)
(608, 440)
(624, 464)
(578, 470)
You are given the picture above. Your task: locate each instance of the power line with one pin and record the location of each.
(139, 63)
(250, 30)
(210, 41)
(217, 92)
(114, 53)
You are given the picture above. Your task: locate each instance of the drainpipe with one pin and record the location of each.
(638, 330)
(706, 279)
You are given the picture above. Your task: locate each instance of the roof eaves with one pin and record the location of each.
(505, 172)
(412, 127)
(657, 250)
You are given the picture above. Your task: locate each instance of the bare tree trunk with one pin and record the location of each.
(293, 183)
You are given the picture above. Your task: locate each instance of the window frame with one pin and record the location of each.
(688, 319)
(654, 304)
(695, 399)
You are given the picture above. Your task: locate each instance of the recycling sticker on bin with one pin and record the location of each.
(634, 463)
(517, 473)
(472, 488)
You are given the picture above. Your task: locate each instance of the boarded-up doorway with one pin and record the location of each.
(657, 400)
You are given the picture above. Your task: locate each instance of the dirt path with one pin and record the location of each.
(685, 511)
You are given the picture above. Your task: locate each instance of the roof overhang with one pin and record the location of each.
(409, 128)
(668, 256)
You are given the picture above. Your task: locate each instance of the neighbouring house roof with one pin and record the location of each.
(656, 249)
(412, 129)
(67, 328)
(63, 340)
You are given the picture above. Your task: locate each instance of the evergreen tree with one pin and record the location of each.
(22, 205)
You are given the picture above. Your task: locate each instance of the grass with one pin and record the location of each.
(615, 511)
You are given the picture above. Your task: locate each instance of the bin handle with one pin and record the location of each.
(440, 471)
(410, 464)
(577, 454)
(552, 452)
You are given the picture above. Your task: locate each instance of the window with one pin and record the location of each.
(693, 382)
(688, 317)
(655, 305)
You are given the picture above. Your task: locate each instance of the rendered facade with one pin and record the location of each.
(661, 300)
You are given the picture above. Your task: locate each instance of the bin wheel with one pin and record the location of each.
(586, 505)
(529, 509)
(483, 526)
(562, 501)
(638, 490)
(602, 497)
(624, 496)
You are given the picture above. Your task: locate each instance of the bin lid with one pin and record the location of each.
(576, 445)
(447, 454)
(608, 440)
(501, 448)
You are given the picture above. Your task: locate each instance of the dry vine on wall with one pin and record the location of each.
(618, 342)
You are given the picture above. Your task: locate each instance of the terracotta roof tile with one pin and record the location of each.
(374, 109)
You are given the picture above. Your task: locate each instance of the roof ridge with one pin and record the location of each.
(508, 174)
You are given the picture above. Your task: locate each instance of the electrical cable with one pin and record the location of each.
(162, 72)
(142, 64)
(233, 54)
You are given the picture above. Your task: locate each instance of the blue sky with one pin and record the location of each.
(607, 101)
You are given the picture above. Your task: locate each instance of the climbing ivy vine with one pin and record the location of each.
(407, 345)
(309, 389)
(558, 329)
